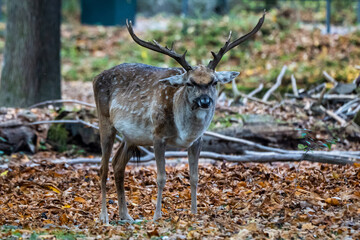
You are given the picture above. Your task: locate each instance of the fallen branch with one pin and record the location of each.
(11, 123)
(316, 89)
(246, 142)
(329, 78)
(338, 97)
(238, 94)
(52, 102)
(255, 99)
(334, 116)
(251, 157)
(294, 86)
(322, 94)
(348, 105)
(276, 85)
(253, 92)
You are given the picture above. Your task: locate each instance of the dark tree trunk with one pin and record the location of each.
(31, 71)
(269, 4)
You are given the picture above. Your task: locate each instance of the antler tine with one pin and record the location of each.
(158, 48)
(228, 46)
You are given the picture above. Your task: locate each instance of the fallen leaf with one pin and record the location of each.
(63, 219)
(79, 199)
(153, 233)
(4, 173)
(52, 188)
(307, 226)
(335, 201)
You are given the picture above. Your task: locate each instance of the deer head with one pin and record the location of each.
(199, 81)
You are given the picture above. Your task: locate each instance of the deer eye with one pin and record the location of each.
(214, 83)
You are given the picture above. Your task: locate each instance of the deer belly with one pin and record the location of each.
(135, 132)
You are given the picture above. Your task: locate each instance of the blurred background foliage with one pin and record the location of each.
(289, 36)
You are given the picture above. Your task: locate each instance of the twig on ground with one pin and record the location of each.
(276, 85)
(329, 78)
(348, 105)
(332, 80)
(321, 98)
(334, 116)
(338, 97)
(238, 94)
(294, 86)
(316, 89)
(234, 88)
(253, 92)
(51, 102)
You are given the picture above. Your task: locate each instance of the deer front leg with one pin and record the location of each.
(193, 155)
(159, 150)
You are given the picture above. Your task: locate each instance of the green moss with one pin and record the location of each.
(58, 135)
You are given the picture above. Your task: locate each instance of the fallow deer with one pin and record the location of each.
(157, 106)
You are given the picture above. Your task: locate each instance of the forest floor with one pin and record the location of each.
(235, 201)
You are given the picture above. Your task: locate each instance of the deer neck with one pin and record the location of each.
(190, 123)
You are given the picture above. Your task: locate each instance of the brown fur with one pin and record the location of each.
(202, 75)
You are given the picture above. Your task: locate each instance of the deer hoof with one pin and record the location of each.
(194, 210)
(104, 217)
(157, 216)
(126, 217)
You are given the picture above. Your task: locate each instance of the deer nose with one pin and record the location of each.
(204, 101)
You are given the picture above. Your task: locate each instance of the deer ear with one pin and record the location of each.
(225, 77)
(174, 80)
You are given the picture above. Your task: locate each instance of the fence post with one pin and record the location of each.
(328, 15)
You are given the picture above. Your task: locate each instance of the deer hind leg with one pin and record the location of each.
(120, 160)
(107, 136)
(193, 155)
(159, 149)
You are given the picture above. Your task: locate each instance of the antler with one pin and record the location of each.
(228, 45)
(158, 48)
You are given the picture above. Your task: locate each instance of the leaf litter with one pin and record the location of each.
(235, 201)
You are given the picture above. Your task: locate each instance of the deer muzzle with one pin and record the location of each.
(204, 101)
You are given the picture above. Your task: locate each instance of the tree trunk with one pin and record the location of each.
(31, 70)
(269, 4)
